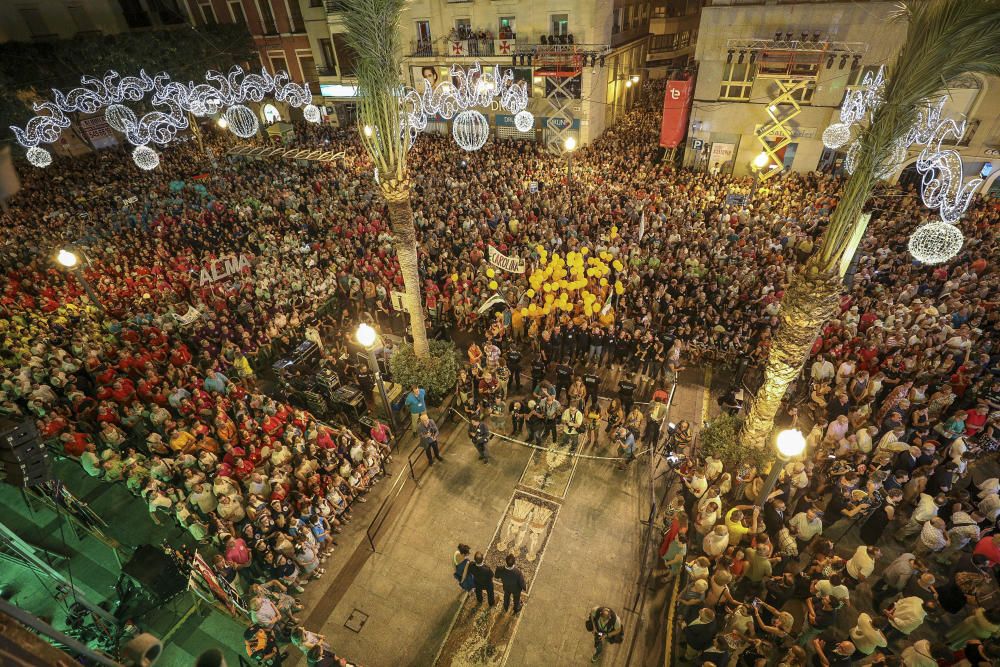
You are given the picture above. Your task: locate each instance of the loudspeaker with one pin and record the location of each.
(155, 572)
(13, 434)
(23, 453)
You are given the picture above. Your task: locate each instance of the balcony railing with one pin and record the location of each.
(458, 48)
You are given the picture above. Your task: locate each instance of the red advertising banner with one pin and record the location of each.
(676, 106)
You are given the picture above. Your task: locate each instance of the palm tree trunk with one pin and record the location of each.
(405, 241)
(810, 300)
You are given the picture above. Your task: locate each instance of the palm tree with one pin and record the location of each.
(373, 32)
(944, 39)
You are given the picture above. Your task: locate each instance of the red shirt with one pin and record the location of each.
(987, 547)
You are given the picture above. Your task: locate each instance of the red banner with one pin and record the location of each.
(676, 105)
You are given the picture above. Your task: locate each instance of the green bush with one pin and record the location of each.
(720, 439)
(435, 374)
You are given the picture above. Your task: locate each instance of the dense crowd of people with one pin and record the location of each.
(157, 387)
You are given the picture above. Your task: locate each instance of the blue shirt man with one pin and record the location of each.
(416, 403)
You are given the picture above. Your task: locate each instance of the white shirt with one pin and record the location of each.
(918, 655)
(861, 564)
(826, 587)
(865, 637)
(805, 529)
(963, 530)
(908, 614)
(714, 544)
(822, 370)
(926, 508)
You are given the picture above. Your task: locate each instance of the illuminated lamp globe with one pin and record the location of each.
(471, 130)
(761, 161)
(790, 444)
(836, 135)
(145, 158)
(311, 113)
(524, 121)
(120, 117)
(242, 121)
(935, 242)
(39, 157)
(365, 335)
(67, 258)
(222, 122)
(570, 144)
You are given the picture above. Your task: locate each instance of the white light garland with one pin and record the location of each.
(146, 158)
(524, 121)
(851, 159)
(120, 117)
(470, 129)
(174, 100)
(836, 135)
(242, 121)
(942, 186)
(935, 242)
(39, 157)
(311, 113)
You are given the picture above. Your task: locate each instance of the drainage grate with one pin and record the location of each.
(356, 620)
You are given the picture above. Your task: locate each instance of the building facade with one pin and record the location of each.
(44, 20)
(673, 27)
(774, 74)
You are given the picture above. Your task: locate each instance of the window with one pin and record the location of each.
(308, 66)
(664, 42)
(34, 20)
(560, 24)
(346, 57)
(278, 62)
(616, 27)
(507, 29)
(326, 52)
(737, 80)
(423, 33)
(463, 25)
(207, 13)
(236, 9)
(295, 19)
(81, 18)
(267, 18)
(660, 12)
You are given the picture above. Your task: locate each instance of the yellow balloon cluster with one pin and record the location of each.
(566, 282)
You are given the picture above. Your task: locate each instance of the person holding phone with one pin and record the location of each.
(606, 627)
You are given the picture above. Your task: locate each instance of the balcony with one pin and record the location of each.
(423, 48)
(461, 48)
(326, 70)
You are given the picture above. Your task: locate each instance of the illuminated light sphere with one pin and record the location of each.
(311, 113)
(790, 443)
(896, 158)
(524, 121)
(471, 130)
(39, 157)
(222, 122)
(146, 158)
(836, 135)
(120, 116)
(935, 242)
(242, 121)
(67, 258)
(365, 335)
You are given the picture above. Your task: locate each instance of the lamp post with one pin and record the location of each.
(758, 165)
(790, 444)
(69, 260)
(366, 336)
(569, 145)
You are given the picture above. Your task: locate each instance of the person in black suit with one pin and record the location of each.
(699, 635)
(482, 577)
(906, 460)
(513, 584)
(774, 517)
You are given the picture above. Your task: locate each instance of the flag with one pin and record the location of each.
(676, 105)
(503, 47)
(490, 302)
(459, 48)
(642, 224)
(607, 304)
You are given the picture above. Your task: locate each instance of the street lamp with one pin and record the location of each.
(223, 122)
(367, 129)
(789, 445)
(569, 145)
(635, 78)
(70, 260)
(628, 83)
(366, 336)
(758, 165)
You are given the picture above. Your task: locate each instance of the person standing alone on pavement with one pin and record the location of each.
(606, 626)
(482, 576)
(479, 433)
(416, 403)
(513, 584)
(428, 433)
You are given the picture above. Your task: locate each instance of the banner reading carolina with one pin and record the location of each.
(676, 101)
(502, 261)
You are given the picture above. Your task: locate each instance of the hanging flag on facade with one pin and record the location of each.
(459, 48)
(676, 106)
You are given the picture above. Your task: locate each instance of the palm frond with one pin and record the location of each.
(373, 33)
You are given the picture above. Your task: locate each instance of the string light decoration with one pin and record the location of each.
(836, 135)
(39, 157)
(242, 121)
(466, 90)
(146, 158)
(471, 130)
(935, 242)
(942, 185)
(524, 121)
(173, 101)
(120, 117)
(311, 113)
